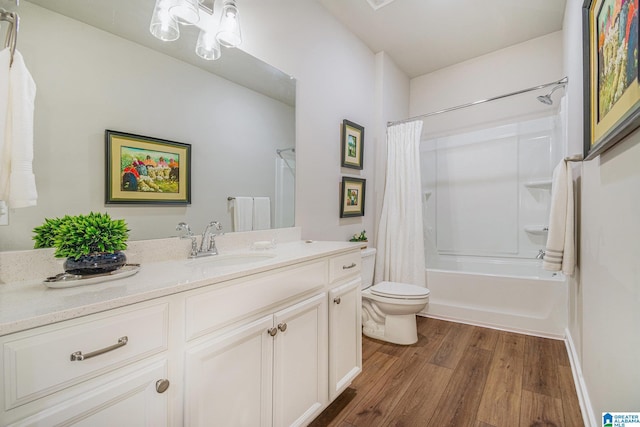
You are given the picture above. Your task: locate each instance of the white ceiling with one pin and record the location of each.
(422, 36)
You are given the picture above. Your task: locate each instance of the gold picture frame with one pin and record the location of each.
(352, 197)
(612, 91)
(352, 145)
(145, 170)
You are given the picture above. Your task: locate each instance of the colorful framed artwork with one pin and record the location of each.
(352, 200)
(144, 170)
(612, 91)
(352, 145)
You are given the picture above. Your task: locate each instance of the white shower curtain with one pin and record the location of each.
(400, 256)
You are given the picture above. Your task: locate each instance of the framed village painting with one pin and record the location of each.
(612, 92)
(145, 170)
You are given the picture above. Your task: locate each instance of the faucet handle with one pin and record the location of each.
(183, 226)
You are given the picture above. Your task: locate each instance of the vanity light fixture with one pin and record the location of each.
(216, 29)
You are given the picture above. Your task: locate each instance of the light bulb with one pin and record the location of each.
(229, 30)
(207, 46)
(163, 26)
(185, 11)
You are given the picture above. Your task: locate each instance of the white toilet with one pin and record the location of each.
(389, 308)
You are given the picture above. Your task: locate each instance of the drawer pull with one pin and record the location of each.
(78, 356)
(337, 300)
(162, 385)
(346, 267)
(282, 327)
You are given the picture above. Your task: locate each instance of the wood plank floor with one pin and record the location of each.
(459, 375)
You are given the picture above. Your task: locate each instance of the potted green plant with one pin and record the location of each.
(359, 237)
(91, 243)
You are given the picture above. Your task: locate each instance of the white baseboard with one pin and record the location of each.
(588, 416)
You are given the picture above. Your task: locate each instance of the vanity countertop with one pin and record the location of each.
(29, 304)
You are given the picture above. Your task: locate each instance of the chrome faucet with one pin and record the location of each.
(208, 243)
(540, 254)
(183, 226)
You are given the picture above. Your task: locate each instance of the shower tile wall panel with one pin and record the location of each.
(474, 193)
(477, 194)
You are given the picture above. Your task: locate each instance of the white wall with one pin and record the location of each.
(605, 299)
(89, 80)
(514, 68)
(335, 75)
(392, 103)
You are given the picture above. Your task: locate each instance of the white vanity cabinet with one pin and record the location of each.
(272, 348)
(105, 369)
(345, 322)
(271, 371)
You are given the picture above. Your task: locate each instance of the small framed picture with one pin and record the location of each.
(352, 200)
(352, 145)
(144, 170)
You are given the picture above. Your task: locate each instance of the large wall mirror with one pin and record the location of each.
(97, 67)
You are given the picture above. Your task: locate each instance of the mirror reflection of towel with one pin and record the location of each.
(261, 213)
(243, 214)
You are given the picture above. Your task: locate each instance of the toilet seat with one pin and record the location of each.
(397, 290)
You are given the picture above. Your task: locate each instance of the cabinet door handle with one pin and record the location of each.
(162, 385)
(346, 267)
(282, 327)
(337, 300)
(272, 331)
(78, 356)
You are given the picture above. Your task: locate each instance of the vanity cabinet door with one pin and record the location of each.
(228, 378)
(345, 336)
(300, 362)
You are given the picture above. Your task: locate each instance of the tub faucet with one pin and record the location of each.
(540, 254)
(183, 226)
(208, 243)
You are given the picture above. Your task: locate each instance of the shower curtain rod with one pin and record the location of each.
(562, 81)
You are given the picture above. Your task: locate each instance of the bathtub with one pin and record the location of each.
(500, 293)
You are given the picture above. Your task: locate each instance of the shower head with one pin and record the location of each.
(546, 99)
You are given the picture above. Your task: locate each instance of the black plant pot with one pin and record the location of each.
(96, 263)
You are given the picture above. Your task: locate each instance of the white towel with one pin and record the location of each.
(17, 181)
(261, 213)
(243, 214)
(560, 251)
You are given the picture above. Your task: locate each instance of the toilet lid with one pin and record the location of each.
(399, 290)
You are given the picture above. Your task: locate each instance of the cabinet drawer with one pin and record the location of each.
(209, 310)
(343, 266)
(39, 362)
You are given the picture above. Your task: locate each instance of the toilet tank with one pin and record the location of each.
(368, 266)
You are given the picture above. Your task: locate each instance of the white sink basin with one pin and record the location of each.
(225, 260)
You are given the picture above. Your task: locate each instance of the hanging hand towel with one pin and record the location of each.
(243, 214)
(22, 188)
(560, 250)
(17, 182)
(261, 213)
